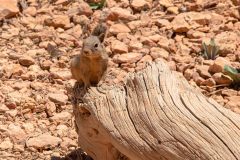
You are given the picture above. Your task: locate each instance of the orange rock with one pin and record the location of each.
(208, 82)
(30, 11)
(159, 53)
(127, 57)
(140, 4)
(218, 65)
(233, 102)
(220, 78)
(119, 28)
(58, 21)
(8, 8)
(119, 47)
(120, 13)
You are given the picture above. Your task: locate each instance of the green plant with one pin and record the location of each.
(210, 51)
(233, 73)
(98, 5)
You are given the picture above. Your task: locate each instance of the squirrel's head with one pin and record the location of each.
(92, 47)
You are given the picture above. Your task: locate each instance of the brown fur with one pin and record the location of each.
(89, 67)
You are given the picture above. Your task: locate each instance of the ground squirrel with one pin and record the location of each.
(89, 66)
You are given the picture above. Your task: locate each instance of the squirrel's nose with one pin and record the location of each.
(87, 51)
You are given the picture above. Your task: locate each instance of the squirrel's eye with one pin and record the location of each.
(96, 45)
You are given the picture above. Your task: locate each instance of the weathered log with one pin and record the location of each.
(156, 115)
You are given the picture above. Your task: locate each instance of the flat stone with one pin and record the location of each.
(43, 141)
(58, 98)
(218, 65)
(8, 8)
(119, 28)
(58, 21)
(119, 47)
(26, 61)
(61, 117)
(127, 57)
(120, 13)
(140, 5)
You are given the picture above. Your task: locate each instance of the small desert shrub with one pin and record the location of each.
(234, 74)
(210, 51)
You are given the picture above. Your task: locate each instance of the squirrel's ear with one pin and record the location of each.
(101, 37)
(100, 31)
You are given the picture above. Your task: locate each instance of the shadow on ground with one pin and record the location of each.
(77, 154)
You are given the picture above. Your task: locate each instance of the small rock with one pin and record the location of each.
(173, 10)
(134, 24)
(143, 62)
(198, 17)
(162, 22)
(82, 19)
(6, 144)
(195, 34)
(203, 71)
(63, 2)
(16, 70)
(155, 38)
(148, 42)
(222, 79)
(120, 13)
(119, 28)
(58, 98)
(36, 52)
(172, 65)
(208, 82)
(196, 77)
(159, 53)
(26, 61)
(185, 21)
(188, 74)
(67, 142)
(218, 65)
(119, 47)
(166, 3)
(8, 8)
(183, 49)
(228, 42)
(16, 132)
(46, 64)
(3, 108)
(60, 74)
(30, 11)
(12, 113)
(80, 9)
(233, 102)
(50, 108)
(61, 117)
(135, 45)
(140, 5)
(13, 99)
(127, 57)
(164, 43)
(43, 141)
(229, 92)
(18, 148)
(62, 130)
(28, 127)
(208, 62)
(179, 24)
(21, 85)
(62, 21)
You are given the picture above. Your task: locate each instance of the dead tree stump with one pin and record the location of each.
(157, 115)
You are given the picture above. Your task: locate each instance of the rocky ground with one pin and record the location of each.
(38, 38)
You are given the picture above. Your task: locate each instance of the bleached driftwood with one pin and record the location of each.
(157, 115)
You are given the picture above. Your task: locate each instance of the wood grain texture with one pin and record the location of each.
(157, 115)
